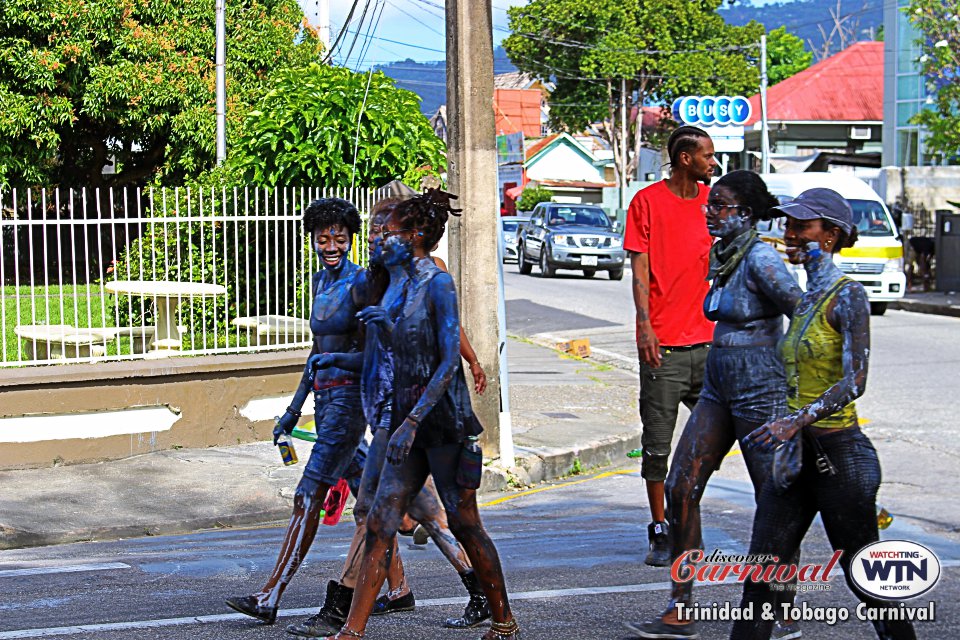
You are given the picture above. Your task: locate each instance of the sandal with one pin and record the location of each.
(502, 631)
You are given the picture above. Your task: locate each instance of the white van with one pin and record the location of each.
(876, 261)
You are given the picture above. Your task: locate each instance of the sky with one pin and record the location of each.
(402, 29)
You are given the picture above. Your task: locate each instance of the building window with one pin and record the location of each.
(908, 141)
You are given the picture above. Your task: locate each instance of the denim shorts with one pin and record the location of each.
(340, 428)
(749, 381)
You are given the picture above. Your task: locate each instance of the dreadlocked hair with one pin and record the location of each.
(327, 212)
(428, 214)
(684, 140)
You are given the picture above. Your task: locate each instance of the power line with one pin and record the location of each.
(353, 7)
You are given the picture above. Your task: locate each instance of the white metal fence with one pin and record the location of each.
(114, 274)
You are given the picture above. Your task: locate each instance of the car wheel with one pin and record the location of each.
(878, 308)
(546, 271)
(524, 266)
(616, 274)
(589, 273)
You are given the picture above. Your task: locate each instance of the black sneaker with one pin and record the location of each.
(786, 631)
(248, 605)
(659, 554)
(658, 629)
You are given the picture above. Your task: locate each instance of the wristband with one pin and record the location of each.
(294, 412)
(413, 420)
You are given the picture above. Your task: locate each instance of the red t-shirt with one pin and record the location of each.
(673, 233)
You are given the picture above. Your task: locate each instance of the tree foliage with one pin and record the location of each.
(532, 196)
(786, 55)
(84, 83)
(304, 132)
(661, 49)
(939, 24)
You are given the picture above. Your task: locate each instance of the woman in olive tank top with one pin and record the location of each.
(825, 353)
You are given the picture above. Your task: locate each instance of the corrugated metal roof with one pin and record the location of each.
(517, 110)
(847, 86)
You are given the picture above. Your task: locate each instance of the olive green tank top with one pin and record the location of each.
(812, 354)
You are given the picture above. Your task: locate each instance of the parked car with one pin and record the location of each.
(509, 228)
(570, 236)
(876, 260)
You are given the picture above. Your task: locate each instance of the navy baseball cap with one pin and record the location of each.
(820, 203)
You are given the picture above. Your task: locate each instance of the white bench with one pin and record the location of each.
(273, 329)
(62, 341)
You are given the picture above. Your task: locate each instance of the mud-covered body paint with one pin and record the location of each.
(849, 314)
(426, 364)
(844, 492)
(748, 306)
(337, 291)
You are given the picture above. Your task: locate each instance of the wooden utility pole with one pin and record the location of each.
(472, 175)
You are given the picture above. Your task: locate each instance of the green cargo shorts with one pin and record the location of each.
(678, 379)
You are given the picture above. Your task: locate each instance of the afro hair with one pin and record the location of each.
(327, 212)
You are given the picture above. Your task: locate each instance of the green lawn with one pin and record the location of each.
(80, 306)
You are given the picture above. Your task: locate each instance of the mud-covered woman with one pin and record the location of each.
(744, 384)
(431, 416)
(376, 365)
(332, 224)
(826, 353)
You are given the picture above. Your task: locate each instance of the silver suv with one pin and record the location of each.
(570, 236)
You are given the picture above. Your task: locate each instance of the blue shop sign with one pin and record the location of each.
(712, 110)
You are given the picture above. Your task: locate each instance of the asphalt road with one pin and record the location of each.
(571, 550)
(909, 409)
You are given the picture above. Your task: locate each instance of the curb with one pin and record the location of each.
(535, 467)
(918, 306)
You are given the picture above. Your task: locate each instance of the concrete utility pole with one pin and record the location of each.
(472, 175)
(764, 124)
(323, 22)
(221, 63)
(624, 154)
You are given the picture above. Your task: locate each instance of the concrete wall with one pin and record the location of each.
(920, 187)
(65, 414)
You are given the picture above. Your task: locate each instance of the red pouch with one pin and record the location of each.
(335, 502)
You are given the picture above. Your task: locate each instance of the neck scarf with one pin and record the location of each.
(724, 259)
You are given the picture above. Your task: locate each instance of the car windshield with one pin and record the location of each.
(582, 216)
(868, 215)
(509, 225)
(871, 219)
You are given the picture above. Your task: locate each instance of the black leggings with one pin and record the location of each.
(847, 505)
(707, 438)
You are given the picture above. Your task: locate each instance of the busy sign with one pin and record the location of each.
(712, 110)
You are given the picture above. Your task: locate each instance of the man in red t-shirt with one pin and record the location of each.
(669, 246)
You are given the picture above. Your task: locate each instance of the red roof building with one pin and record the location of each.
(835, 105)
(518, 110)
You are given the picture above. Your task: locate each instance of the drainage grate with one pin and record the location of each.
(560, 415)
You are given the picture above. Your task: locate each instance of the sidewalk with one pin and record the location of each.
(933, 302)
(567, 415)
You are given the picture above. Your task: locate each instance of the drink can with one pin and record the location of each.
(287, 453)
(884, 519)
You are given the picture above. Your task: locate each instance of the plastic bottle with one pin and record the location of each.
(636, 453)
(884, 519)
(287, 452)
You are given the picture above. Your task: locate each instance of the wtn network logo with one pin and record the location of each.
(895, 569)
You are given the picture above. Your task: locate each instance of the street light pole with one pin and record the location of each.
(221, 63)
(764, 124)
(624, 154)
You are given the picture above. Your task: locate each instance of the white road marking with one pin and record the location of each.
(37, 571)
(432, 602)
(226, 617)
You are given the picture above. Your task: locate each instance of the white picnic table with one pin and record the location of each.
(167, 297)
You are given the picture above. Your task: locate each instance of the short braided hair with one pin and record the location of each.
(684, 139)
